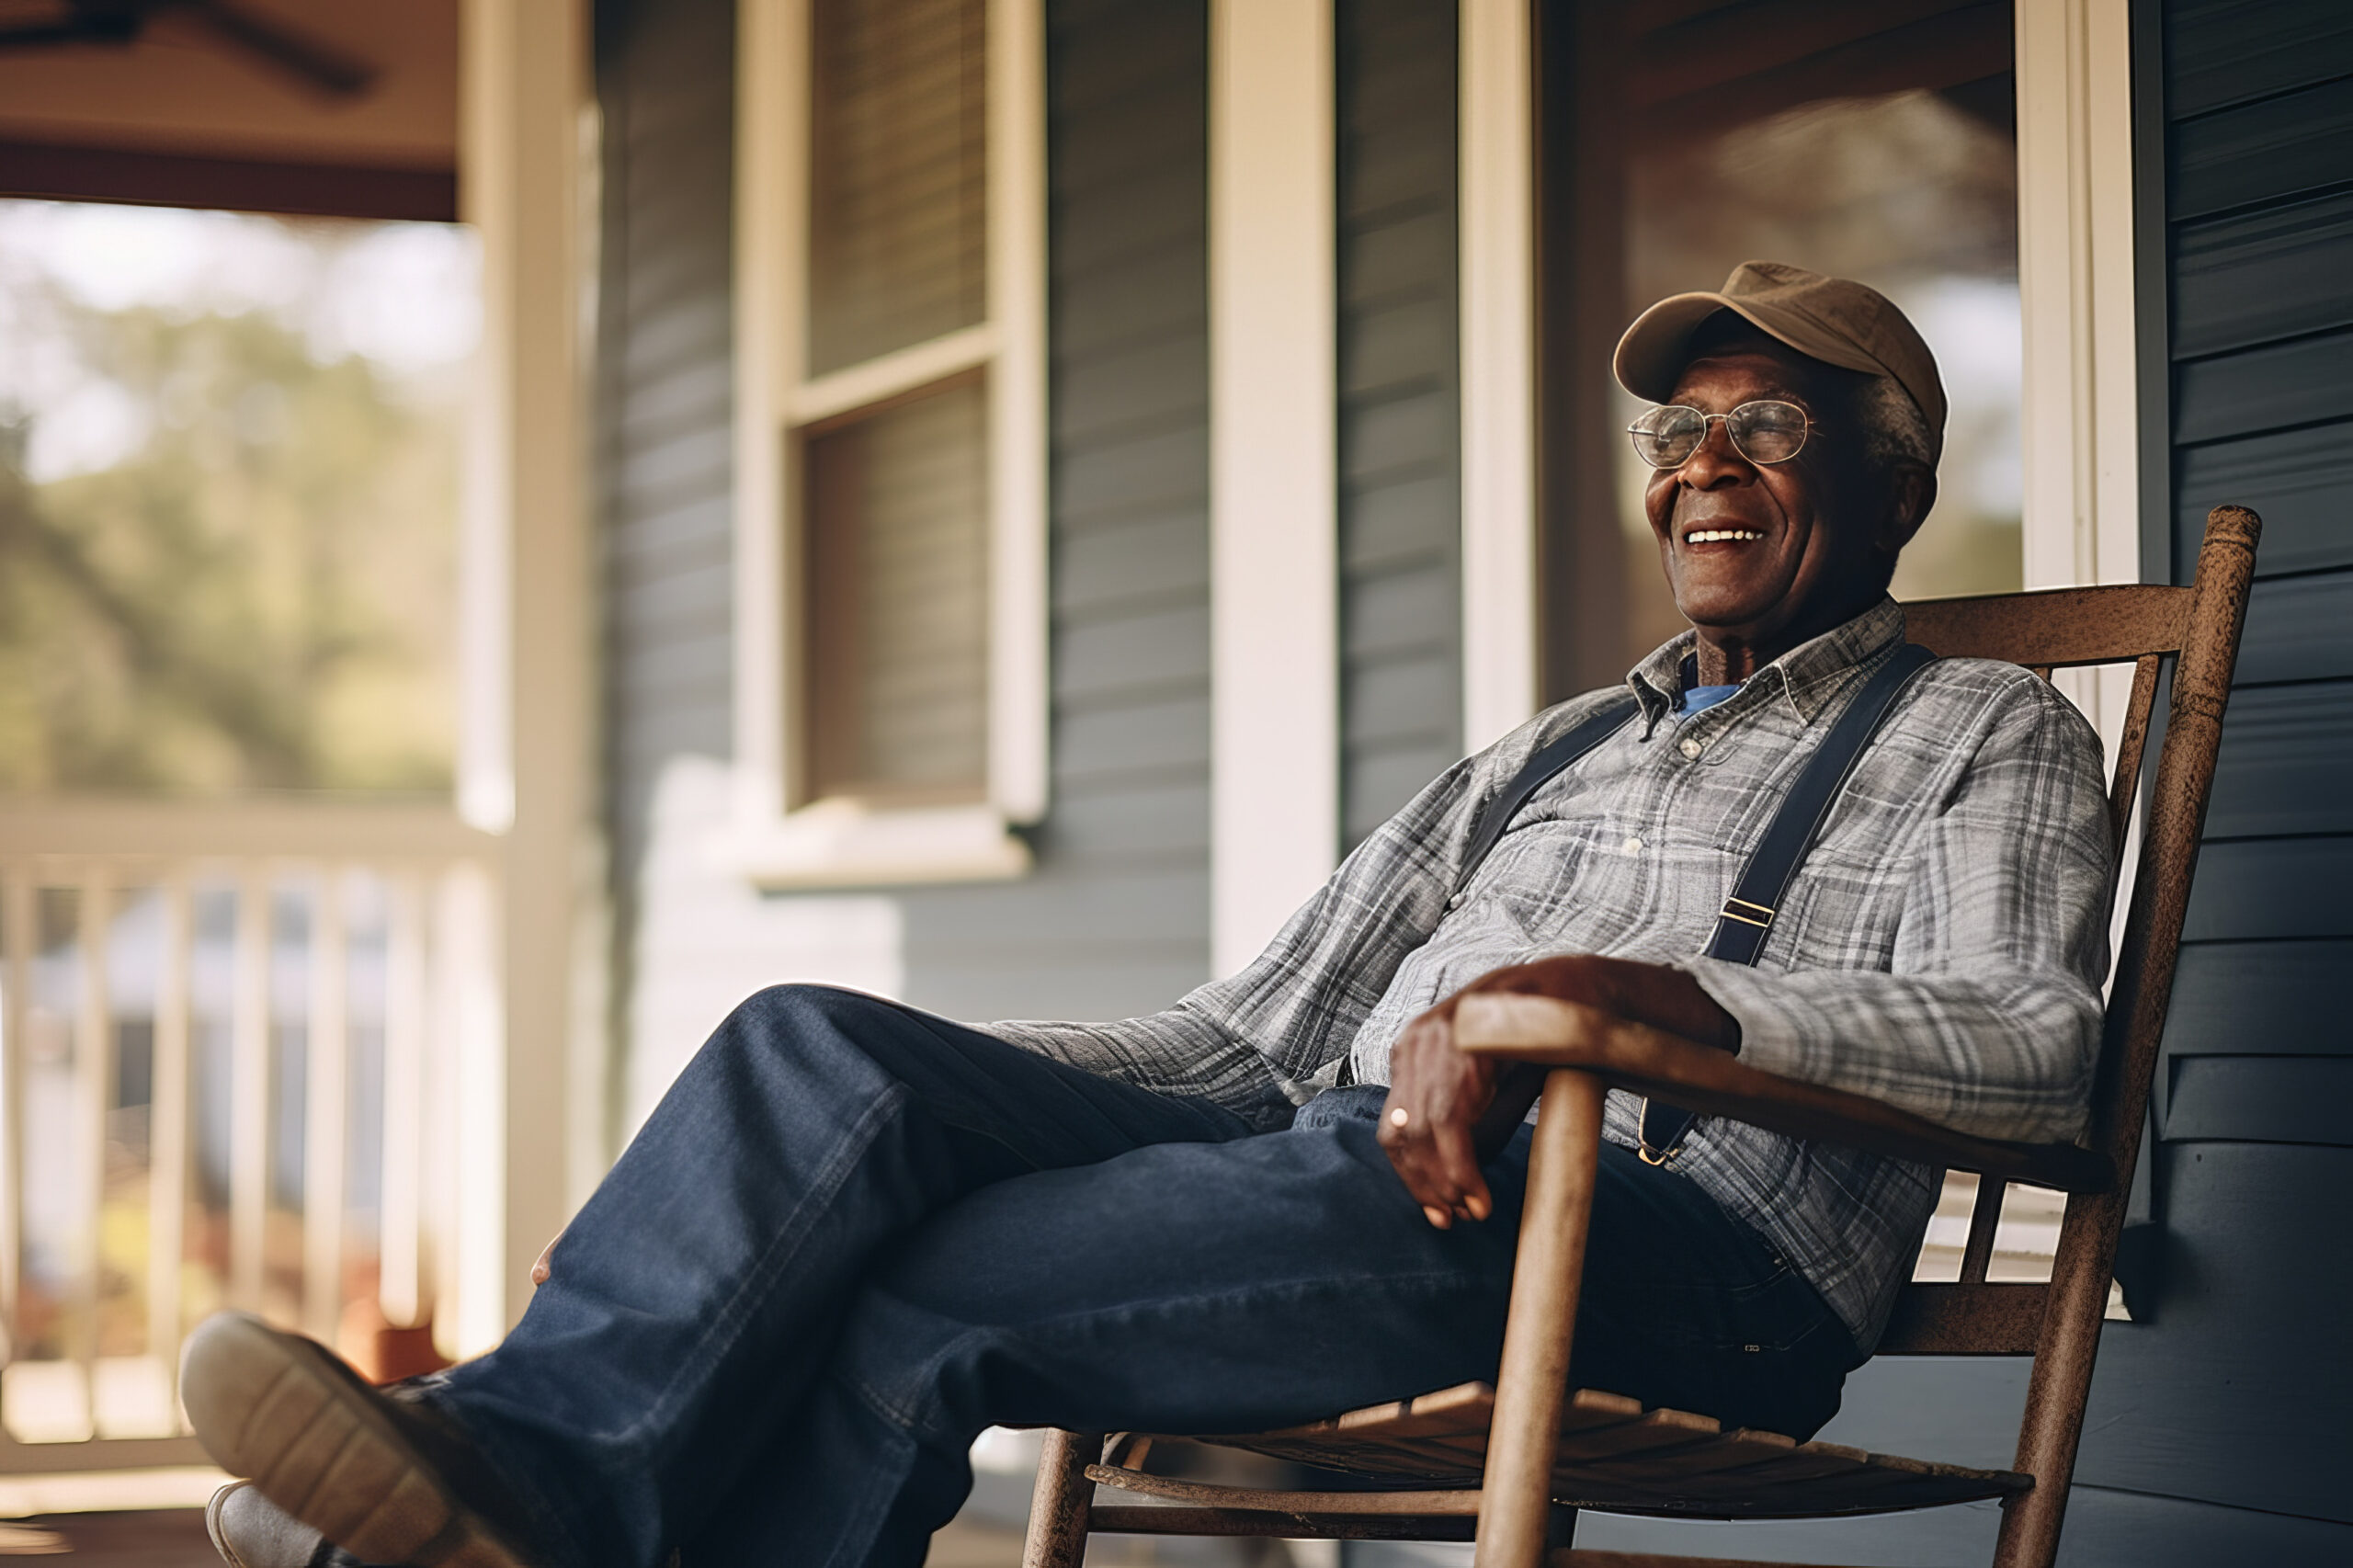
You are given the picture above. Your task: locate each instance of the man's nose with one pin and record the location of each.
(1717, 461)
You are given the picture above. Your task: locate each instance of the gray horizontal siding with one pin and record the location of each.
(1400, 718)
(665, 403)
(1115, 920)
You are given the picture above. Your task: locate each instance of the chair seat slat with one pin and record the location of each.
(1612, 1453)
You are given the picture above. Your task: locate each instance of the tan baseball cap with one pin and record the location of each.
(1835, 319)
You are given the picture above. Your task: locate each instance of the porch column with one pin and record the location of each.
(1274, 637)
(527, 1113)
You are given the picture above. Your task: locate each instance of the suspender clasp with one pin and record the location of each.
(1741, 909)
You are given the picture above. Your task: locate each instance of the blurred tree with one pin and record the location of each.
(257, 597)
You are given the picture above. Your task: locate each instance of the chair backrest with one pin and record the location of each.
(2142, 625)
(2198, 629)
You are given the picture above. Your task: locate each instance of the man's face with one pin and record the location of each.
(1801, 555)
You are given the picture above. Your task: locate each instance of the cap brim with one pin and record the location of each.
(1653, 354)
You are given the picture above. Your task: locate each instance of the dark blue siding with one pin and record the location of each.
(2229, 1396)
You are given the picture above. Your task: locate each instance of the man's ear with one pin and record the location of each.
(1911, 491)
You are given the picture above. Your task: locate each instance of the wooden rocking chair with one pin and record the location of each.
(1509, 1466)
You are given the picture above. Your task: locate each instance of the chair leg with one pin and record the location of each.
(1514, 1508)
(1060, 1505)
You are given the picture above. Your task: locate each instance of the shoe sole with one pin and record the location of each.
(281, 1412)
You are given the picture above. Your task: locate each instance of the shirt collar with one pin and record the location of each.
(1809, 675)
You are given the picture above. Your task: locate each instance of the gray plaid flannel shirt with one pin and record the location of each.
(1941, 948)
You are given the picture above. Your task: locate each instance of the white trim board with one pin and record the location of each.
(1497, 130)
(530, 1085)
(1275, 731)
(2076, 292)
(2078, 305)
(2080, 276)
(773, 838)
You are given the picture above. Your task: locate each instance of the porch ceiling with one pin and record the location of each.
(182, 117)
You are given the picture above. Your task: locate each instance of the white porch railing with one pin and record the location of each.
(228, 1036)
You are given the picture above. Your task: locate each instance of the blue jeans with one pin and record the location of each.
(853, 1236)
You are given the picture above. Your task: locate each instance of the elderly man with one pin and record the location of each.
(853, 1236)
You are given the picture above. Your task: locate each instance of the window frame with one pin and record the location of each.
(778, 836)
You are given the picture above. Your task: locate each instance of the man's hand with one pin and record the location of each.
(1449, 1112)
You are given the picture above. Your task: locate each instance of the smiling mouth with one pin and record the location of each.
(1721, 536)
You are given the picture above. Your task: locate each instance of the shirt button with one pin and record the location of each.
(1632, 846)
(1691, 749)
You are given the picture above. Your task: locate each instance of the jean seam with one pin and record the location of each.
(728, 1324)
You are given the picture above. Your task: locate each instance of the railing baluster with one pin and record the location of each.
(93, 1077)
(1985, 1220)
(440, 1258)
(212, 953)
(17, 950)
(326, 1112)
(167, 1158)
(401, 1230)
(249, 1092)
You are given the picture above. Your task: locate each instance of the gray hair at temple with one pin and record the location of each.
(1893, 427)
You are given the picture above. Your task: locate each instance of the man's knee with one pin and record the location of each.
(803, 1004)
(797, 1017)
(796, 1029)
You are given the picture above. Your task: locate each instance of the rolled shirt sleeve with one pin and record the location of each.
(1269, 1036)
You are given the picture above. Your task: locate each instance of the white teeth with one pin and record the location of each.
(1718, 536)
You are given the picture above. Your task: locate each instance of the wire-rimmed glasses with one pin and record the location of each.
(1766, 431)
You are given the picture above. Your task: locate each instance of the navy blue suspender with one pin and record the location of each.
(1747, 914)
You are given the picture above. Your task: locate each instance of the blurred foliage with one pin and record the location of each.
(257, 597)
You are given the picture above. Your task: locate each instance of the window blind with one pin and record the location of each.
(898, 219)
(896, 538)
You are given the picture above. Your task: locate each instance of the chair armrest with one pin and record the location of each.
(1701, 1079)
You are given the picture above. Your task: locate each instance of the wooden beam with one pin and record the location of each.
(58, 173)
(1943, 49)
(1723, 48)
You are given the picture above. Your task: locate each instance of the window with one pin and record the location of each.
(891, 675)
(1877, 147)
(897, 698)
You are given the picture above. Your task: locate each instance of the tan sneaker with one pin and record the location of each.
(384, 1482)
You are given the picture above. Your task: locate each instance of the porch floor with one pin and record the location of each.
(174, 1537)
(170, 1537)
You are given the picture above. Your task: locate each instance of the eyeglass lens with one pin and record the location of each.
(1767, 431)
